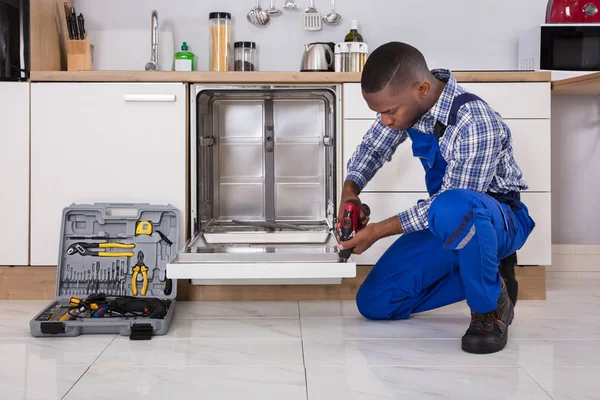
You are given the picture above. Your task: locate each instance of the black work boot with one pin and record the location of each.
(507, 272)
(488, 332)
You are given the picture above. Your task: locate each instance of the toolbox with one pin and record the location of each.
(111, 274)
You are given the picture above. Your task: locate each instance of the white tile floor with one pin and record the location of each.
(314, 350)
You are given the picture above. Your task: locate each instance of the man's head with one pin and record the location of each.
(397, 83)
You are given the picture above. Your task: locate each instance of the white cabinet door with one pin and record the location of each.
(531, 149)
(103, 142)
(538, 247)
(14, 173)
(536, 251)
(511, 100)
(405, 172)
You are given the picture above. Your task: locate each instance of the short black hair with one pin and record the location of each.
(394, 63)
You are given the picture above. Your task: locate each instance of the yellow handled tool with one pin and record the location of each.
(137, 268)
(84, 249)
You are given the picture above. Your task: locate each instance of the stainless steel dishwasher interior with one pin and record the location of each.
(265, 170)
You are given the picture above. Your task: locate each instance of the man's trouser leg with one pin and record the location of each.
(420, 271)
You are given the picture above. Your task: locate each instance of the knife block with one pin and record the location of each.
(79, 55)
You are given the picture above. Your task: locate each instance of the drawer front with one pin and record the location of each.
(536, 251)
(533, 137)
(511, 100)
(538, 247)
(404, 173)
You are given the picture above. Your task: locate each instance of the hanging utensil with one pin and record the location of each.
(312, 18)
(257, 16)
(290, 5)
(273, 10)
(332, 18)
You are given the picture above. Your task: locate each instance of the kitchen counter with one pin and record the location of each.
(586, 85)
(263, 77)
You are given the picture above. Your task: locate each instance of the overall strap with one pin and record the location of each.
(459, 101)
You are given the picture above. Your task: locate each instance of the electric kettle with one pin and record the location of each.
(318, 56)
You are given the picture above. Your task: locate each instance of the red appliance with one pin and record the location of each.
(573, 11)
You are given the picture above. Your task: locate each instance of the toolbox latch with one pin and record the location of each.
(141, 332)
(52, 328)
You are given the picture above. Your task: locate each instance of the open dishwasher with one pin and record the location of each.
(263, 187)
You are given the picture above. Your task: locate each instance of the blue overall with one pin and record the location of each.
(458, 256)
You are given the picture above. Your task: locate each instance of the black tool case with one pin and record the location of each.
(102, 246)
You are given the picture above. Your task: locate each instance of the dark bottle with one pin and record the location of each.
(353, 35)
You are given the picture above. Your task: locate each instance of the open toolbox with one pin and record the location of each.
(111, 275)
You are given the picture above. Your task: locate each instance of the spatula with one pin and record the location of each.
(312, 18)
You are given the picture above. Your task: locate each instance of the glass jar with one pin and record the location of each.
(220, 40)
(245, 57)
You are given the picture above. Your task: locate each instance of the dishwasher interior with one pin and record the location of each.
(263, 184)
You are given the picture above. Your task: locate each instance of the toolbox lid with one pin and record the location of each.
(102, 246)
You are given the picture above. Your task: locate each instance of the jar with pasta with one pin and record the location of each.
(220, 41)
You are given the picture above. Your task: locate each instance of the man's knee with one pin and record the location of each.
(451, 214)
(376, 305)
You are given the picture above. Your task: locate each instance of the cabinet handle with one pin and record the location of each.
(152, 98)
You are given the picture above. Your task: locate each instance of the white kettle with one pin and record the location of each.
(318, 56)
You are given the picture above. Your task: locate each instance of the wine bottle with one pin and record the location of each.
(353, 35)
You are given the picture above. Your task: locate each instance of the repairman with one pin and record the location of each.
(460, 242)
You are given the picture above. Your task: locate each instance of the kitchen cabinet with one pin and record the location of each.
(103, 142)
(513, 100)
(398, 185)
(405, 172)
(14, 173)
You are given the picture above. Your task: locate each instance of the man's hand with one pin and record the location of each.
(365, 238)
(362, 240)
(350, 192)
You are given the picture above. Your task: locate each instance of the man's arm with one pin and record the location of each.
(377, 147)
(477, 151)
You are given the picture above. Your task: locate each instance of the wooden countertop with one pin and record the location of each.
(586, 85)
(263, 77)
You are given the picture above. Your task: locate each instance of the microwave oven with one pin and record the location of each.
(561, 47)
(14, 40)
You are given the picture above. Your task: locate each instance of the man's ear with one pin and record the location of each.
(423, 89)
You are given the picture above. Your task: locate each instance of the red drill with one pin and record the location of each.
(350, 224)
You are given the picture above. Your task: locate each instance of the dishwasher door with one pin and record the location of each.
(263, 187)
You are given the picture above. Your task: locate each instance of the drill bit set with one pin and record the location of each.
(113, 259)
(95, 279)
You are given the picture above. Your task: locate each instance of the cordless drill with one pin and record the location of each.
(350, 224)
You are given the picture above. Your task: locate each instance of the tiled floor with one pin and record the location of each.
(314, 350)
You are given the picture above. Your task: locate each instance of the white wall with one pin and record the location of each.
(458, 34)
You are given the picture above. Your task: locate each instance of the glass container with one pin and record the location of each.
(220, 41)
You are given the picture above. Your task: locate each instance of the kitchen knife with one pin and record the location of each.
(68, 17)
(81, 26)
(74, 22)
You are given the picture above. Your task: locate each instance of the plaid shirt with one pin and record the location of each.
(478, 150)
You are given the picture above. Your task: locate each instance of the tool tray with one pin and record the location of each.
(102, 246)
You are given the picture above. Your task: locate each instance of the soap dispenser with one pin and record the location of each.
(184, 59)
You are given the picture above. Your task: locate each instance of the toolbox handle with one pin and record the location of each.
(120, 210)
(150, 98)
